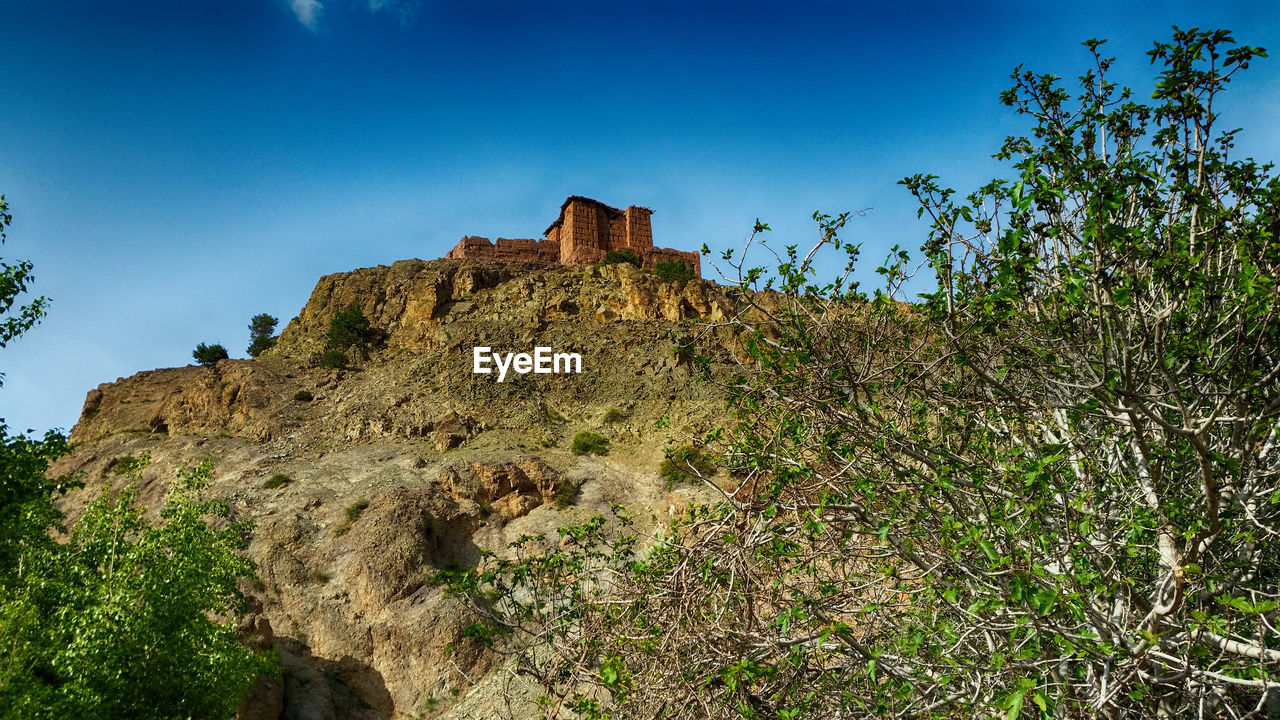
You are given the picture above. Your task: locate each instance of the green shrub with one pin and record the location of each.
(209, 355)
(356, 509)
(130, 466)
(673, 271)
(303, 396)
(353, 513)
(567, 493)
(349, 327)
(686, 464)
(333, 359)
(613, 415)
(275, 481)
(590, 442)
(621, 256)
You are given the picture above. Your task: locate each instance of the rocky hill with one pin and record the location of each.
(409, 462)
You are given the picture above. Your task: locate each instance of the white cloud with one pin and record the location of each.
(402, 10)
(308, 12)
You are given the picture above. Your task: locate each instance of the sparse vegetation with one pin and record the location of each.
(567, 493)
(209, 355)
(303, 396)
(686, 464)
(275, 481)
(352, 513)
(673, 271)
(130, 466)
(613, 415)
(321, 577)
(356, 509)
(590, 442)
(621, 256)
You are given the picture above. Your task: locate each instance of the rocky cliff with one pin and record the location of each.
(409, 462)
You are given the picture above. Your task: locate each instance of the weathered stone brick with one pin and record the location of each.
(584, 232)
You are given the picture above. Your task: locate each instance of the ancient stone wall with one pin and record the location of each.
(523, 249)
(652, 256)
(585, 231)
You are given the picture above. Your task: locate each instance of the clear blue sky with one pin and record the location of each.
(176, 167)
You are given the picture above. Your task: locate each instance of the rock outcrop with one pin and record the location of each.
(409, 463)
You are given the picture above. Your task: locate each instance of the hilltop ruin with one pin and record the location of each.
(584, 232)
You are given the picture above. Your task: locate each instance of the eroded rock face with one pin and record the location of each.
(236, 396)
(512, 488)
(409, 463)
(409, 301)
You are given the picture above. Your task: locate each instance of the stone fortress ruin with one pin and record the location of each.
(584, 232)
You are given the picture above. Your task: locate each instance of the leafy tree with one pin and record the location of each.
(261, 327)
(26, 511)
(13, 282)
(209, 355)
(1050, 489)
(114, 622)
(347, 328)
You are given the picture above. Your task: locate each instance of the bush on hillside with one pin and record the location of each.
(621, 256)
(673, 271)
(590, 442)
(209, 355)
(347, 328)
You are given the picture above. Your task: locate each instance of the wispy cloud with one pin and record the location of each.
(308, 12)
(402, 10)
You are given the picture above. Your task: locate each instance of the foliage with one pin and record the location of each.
(686, 464)
(129, 465)
(567, 493)
(349, 327)
(613, 415)
(555, 628)
(1050, 489)
(13, 282)
(209, 355)
(333, 359)
(352, 513)
(621, 256)
(673, 271)
(590, 442)
(116, 622)
(27, 512)
(275, 481)
(356, 509)
(261, 327)
(303, 396)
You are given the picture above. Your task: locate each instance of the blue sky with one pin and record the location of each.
(176, 167)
